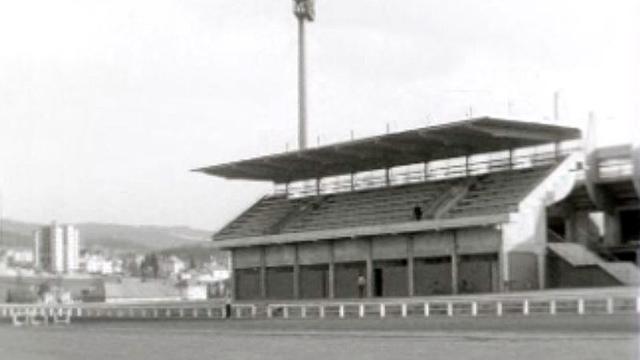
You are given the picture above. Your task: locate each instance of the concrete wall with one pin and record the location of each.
(279, 281)
(314, 253)
(346, 279)
(432, 276)
(612, 225)
(247, 283)
(314, 281)
(390, 258)
(523, 272)
(484, 240)
(246, 257)
(350, 250)
(433, 244)
(562, 275)
(525, 235)
(279, 255)
(389, 247)
(478, 274)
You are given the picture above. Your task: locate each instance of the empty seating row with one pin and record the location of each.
(491, 193)
(498, 192)
(370, 207)
(260, 218)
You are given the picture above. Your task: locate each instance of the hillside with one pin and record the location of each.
(200, 253)
(112, 237)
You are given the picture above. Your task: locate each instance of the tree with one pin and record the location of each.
(155, 264)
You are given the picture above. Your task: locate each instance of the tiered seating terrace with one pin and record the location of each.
(490, 193)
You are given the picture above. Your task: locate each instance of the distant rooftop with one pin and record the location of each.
(461, 138)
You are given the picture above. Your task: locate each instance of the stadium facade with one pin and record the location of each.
(476, 206)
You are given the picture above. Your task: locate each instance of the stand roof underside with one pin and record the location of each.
(461, 138)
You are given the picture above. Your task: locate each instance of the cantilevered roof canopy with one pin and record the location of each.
(467, 137)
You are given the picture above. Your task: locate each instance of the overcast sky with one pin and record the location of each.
(106, 105)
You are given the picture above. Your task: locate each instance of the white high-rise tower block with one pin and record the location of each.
(56, 248)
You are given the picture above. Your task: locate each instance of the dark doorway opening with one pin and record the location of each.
(557, 226)
(630, 225)
(377, 282)
(390, 278)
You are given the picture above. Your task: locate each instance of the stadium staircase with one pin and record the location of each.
(498, 192)
(443, 203)
(578, 256)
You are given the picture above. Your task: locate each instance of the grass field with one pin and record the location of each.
(589, 337)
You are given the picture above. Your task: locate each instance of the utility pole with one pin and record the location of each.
(556, 107)
(1, 219)
(304, 11)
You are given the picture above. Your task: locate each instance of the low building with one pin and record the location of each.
(171, 266)
(192, 290)
(125, 290)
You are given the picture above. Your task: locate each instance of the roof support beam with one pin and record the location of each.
(461, 143)
(314, 158)
(426, 135)
(414, 151)
(242, 172)
(529, 134)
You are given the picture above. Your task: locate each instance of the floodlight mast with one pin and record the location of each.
(304, 11)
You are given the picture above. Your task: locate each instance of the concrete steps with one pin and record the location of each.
(577, 255)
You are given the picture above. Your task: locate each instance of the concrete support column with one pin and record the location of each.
(263, 273)
(369, 268)
(410, 272)
(296, 273)
(332, 273)
(542, 267)
(454, 263)
(496, 276)
(612, 228)
(232, 278)
(570, 226)
(387, 177)
(510, 158)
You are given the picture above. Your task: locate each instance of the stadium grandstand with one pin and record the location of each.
(483, 205)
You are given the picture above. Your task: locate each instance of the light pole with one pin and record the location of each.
(1, 218)
(304, 11)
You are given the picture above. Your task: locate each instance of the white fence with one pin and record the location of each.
(471, 308)
(548, 303)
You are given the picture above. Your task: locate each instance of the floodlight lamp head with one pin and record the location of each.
(304, 9)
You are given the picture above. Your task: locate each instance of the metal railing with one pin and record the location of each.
(457, 308)
(577, 303)
(615, 168)
(430, 171)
